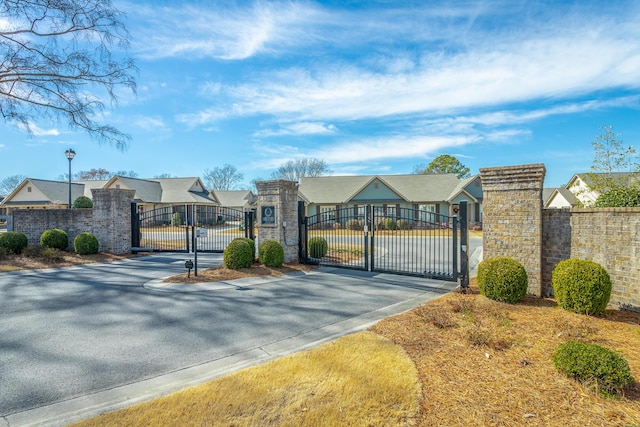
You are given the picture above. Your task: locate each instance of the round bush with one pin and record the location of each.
(581, 286)
(13, 241)
(318, 247)
(250, 242)
(403, 225)
(82, 202)
(502, 279)
(271, 253)
(238, 255)
(594, 366)
(85, 244)
(389, 224)
(54, 238)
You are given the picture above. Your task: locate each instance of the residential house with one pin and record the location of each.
(150, 193)
(579, 190)
(434, 194)
(242, 200)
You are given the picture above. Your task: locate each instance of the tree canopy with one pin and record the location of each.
(444, 163)
(293, 170)
(52, 53)
(223, 178)
(614, 172)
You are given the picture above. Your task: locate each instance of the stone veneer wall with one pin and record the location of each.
(608, 236)
(109, 220)
(512, 217)
(283, 195)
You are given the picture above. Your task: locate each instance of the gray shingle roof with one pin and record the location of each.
(56, 192)
(413, 188)
(234, 198)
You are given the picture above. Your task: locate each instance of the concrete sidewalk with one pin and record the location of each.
(268, 318)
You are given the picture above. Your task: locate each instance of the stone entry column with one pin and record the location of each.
(112, 219)
(512, 217)
(277, 215)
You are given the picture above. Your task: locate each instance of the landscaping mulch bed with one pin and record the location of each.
(11, 262)
(222, 274)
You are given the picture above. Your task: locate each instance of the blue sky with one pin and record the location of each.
(369, 87)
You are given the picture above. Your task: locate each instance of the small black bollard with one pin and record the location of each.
(188, 264)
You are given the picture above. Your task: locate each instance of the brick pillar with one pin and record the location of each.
(112, 219)
(512, 217)
(278, 215)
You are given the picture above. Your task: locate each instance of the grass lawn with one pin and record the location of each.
(458, 360)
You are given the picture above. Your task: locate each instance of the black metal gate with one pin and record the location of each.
(179, 228)
(387, 239)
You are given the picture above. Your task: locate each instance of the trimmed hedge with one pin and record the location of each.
(502, 279)
(238, 255)
(54, 238)
(594, 366)
(85, 244)
(271, 253)
(318, 247)
(581, 286)
(13, 241)
(83, 202)
(250, 242)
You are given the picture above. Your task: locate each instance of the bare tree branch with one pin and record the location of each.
(53, 53)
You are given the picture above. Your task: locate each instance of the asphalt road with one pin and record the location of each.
(112, 334)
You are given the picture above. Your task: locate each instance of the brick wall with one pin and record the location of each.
(608, 236)
(109, 220)
(556, 243)
(34, 222)
(512, 217)
(283, 196)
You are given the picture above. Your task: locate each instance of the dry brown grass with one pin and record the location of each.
(357, 380)
(487, 363)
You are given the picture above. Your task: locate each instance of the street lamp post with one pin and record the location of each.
(70, 155)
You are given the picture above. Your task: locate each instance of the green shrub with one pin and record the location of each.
(502, 279)
(581, 286)
(250, 242)
(594, 366)
(13, 241)
(32, 251)
(389, 224)
(52, 254)
(271, 253)
(619, 197)
(3, 252)
(82, 202)
(54, 238)
(238, 255)
(354, 224)
(318, 247)
(85, 244)
(176, 220)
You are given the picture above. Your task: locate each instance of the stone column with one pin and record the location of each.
(112, 219)
(278, 215)
(512, 217)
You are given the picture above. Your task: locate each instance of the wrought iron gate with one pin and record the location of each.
(178, 228)
(387, 239)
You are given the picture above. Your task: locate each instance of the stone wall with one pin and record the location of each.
(608, 236)
(109, 220)
(283, 227)
(512, 217)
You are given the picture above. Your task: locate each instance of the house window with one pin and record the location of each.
(427, 213)
(28, 189)
(391, 211)
(376, 185)
(328, 213)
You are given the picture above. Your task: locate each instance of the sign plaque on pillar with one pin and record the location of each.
(268, 215)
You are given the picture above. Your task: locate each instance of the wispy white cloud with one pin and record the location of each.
(305, 128)
(35, 130)
(149, 123)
